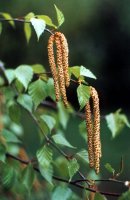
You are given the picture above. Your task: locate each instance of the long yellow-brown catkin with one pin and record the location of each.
(89, 127)
(96, 129)
(52, 64)
(65, 56)
(60, 70)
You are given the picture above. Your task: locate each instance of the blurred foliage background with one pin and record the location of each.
(98, 34)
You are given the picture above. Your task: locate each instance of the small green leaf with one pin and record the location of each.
(75, 71)
(73, 167)
(47, 20)
(7, 16)
(116, 122)
(109, 168)
(98, 196)
(28, 177)
(125, 196)
(61, 192)
(83, 154)
(86, 72)
(83, 93)
(24, 74)
(14, 112)
(27, 31)
(39, 26)
(44, 156)
(37, 90)
(10, 75)
(61, 140)
(25, 101)
(63, 114)
(60, 16)
(49, 121)
(50, 88)
(8, 176)
(29, 16)
(2, 152)
(38, 69)
(82, 130)
(0, 28)
(9, 136)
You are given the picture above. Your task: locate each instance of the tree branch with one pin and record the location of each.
(74, 183)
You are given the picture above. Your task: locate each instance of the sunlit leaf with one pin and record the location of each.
(14, 112)
(24, 74)
(49, 120)
(39, 26)
(44, 156)
(9, 136)
(75, 71)
(61, 140)
(50, 88)
(25, 101)
(8, 176)
(0, 28)
(47, 20)
(83, 154)
(73, 167)
(38, 69)
(7, 16)
(86, 72)
(61, 192)
(28, 177)
(37, 90)
(109, 168)
(60, 16)
(116, 122)
(10, 75)
(83, 93)
(27, 31)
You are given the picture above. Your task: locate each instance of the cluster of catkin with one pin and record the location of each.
(93, 131)
(59, 66)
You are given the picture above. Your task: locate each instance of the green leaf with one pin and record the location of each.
(83, 93)
(8, 176)
(39, 26)
(98, 196)
(62, 114)
(28, 177)
(27, 31)
(116, 122)
(37, 90)
(9, 136)
(49, 121)
(61, 192)
(44, 156)
(0, 28)
(60, 16)
(86, 72)
(125, 196)
(29, 16)
(75, 71)
(10, 75)
(73, 167)
(25, 101)
(7, 16)
(47, 20)
(109, 168)
(14, 112)
(82, 130)
(38, 69)
(61, 140)
(83, 154)
(50, 88)
(24, 74)
(2, 152)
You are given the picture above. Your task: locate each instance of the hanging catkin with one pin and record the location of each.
(52, 64)
(65, 55)
(60, 69)
(93, 130)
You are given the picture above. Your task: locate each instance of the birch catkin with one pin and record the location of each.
(52, 64)
(60, 69)
(93, 130)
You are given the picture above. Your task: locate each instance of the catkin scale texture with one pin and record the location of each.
(52, 64)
